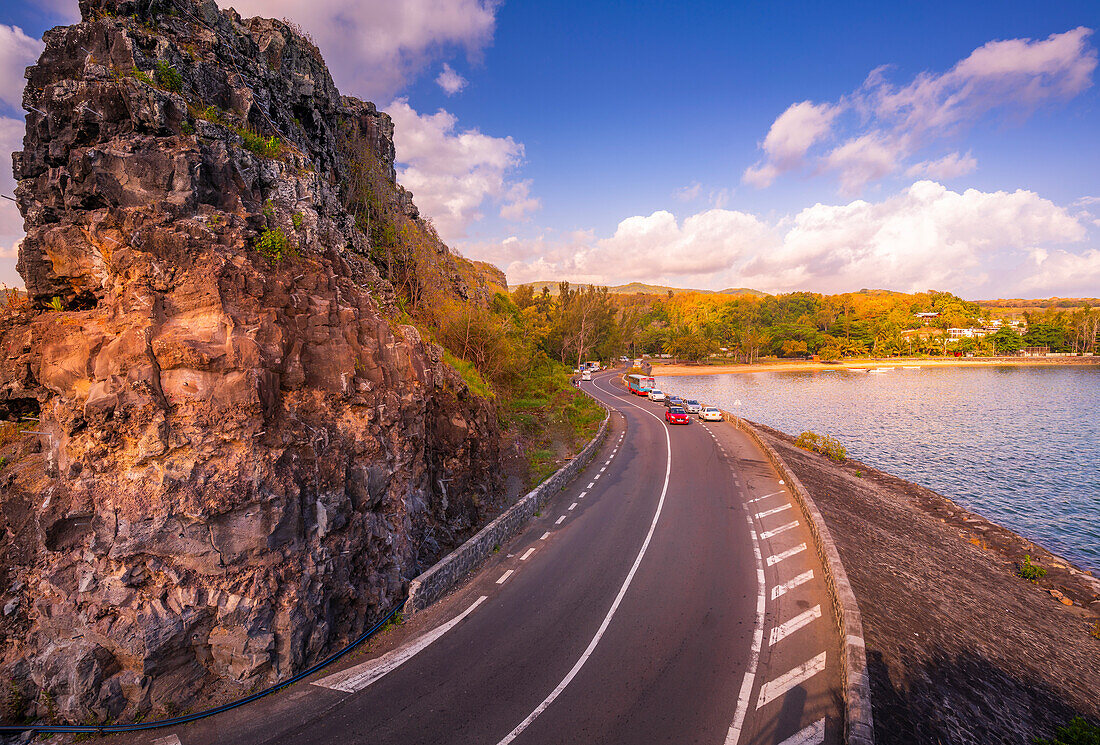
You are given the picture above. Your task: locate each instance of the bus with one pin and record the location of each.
(640, 385)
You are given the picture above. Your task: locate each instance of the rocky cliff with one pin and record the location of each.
(240, 457)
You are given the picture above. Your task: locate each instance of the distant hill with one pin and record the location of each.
(635, 288)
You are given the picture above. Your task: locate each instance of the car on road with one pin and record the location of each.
(691, 406)
(676, 415)
(674, 401)
(710, 414)
(655, 395)
(586, 375)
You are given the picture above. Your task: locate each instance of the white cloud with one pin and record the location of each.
(791, 135)
(11, 222)
(863, 159)
(926, 236)
(375, 47)
(948, 167)
(688, 193)
(450, 81)
(886, 124)
(17, 52)
(452, 172)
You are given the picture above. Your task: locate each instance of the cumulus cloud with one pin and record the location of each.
(452, 172)
(884, 124)
(375, 47)
(946, 168)
(791, 135)
(927, 235)
(450, 81)
(688, 193)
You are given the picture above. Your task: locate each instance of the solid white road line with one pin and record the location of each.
(765, 513)
(780, 529)
(812, 735)
(572, 506)
(788, 680)
(760, 499)
(775, 559)
(734, 733)
(505, 576)
(560, 520)
(785, 629)
(545, 536)
(790, 584)
(527, 554)
(614, 605)
(359, 677)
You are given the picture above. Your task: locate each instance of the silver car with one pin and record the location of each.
(691, 406)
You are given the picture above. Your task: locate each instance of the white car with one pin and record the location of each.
(586, 375)
(710, 414)
(655, 395)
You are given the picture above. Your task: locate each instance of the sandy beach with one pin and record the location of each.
(864, 363)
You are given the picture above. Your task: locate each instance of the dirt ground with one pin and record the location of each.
(960, 649)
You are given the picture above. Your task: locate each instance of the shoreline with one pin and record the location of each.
(684, 370)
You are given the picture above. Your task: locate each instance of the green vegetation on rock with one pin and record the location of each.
(1077, 732)
(827, 446)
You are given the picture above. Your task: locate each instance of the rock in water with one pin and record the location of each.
(242, 457)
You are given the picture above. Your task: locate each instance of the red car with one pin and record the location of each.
(676, 415)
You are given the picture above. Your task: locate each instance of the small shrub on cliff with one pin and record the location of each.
(265, 147)
(469, 373)
(168, 77)
(275, 245)
(298, 220)
(187, 127)
(827, 446)
(1029, 571)
(142, 76)
(56, 304)
(1077, 732)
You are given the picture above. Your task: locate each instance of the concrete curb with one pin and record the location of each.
(446, 573)
(859, 724)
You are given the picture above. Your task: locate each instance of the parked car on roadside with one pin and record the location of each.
(677, 415)
(655, 395)
(710, 414)
(691, 406)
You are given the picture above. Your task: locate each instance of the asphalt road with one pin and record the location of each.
(671, 594)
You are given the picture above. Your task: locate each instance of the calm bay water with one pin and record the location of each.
(1018, 445)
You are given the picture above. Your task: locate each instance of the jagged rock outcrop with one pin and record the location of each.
(241, 457)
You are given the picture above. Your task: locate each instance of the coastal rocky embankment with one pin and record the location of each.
(960, 649)
(235, 455)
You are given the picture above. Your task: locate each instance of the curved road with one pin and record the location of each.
(671, 594)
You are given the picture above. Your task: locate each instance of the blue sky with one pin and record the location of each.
(716, 144)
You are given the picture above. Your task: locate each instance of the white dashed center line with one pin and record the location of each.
(572, 506)
(528, 552)
(545, 536)
(505, 576)
(560, 520)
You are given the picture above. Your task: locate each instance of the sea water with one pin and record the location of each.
(1018, 445)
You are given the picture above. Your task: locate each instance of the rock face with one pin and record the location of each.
(241, 457)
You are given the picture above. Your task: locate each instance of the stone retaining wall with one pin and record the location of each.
(858, 726)
(446, 574)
